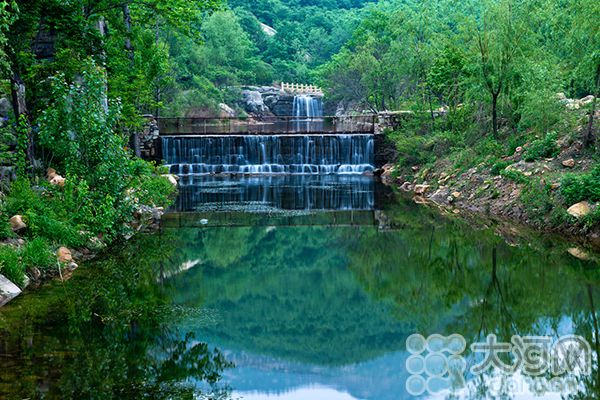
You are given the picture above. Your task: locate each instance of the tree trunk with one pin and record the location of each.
(590, 138)
(127, 23)
(495, 115)
(18, 89)
(102, 30)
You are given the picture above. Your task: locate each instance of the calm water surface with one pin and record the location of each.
(292, 288)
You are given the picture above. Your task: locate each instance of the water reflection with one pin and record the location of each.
(308, 308)
(292, 311)
(268, 193)
(106, 334)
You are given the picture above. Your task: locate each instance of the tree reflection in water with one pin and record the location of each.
(324, 303)
(108, 333)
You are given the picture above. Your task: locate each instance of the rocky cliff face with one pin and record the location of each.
(267, 101)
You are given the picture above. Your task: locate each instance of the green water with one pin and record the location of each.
(316, 305)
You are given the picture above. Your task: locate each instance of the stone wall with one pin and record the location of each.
(148, 144)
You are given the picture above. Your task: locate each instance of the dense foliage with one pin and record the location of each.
(476, 83)
(77, 89)
(80, 75)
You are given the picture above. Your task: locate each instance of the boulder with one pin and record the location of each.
(441, 196)
(8, 290)
(64, 255)
(51, 173)
(225, 111)
(406, 186)
(387, 170)
(519, 150)
(421, 189)
(579, 253)
(157, 213)
(580, 209)
(419, 200)
(171, 178)
(17, 224)
(253, 102)
(58, 181)
(570, 163)
(586, 100)
(456, 195)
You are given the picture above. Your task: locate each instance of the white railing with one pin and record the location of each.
(300, 88)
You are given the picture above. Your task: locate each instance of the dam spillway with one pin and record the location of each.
(269, 154)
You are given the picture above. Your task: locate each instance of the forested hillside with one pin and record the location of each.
(308, 33)
(498, 88)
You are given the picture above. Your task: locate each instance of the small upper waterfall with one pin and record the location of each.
(308, 112)
(307, 107)
(276, 154)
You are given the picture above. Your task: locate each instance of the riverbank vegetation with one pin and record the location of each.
(73, 93)
(508, 88)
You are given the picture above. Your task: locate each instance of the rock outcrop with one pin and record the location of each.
(262, 101)
(253, 102)
(8, 290)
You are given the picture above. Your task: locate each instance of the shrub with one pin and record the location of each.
(155, 191)
(411, 149)
(5, 230)
(542, 148)
(11, 266)
(514, 175)
(21, 198)
(81, 132)
(498, 167)
(576, 188)
(537, 199)
(37, 253)
(444, 142)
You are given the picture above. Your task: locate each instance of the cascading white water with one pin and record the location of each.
(308, 113)
(307, 106)
(286, 154)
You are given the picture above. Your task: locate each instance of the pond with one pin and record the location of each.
(299, 287)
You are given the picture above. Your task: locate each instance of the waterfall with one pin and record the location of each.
(308, 113)
(285, 154)
(307, 106)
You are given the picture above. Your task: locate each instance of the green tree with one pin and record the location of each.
(499, 36)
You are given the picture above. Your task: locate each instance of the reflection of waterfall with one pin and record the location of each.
(285, 192)
(308, 113)
(307, 154)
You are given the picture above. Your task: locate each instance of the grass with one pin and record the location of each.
(580, 187)
(11, 266)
